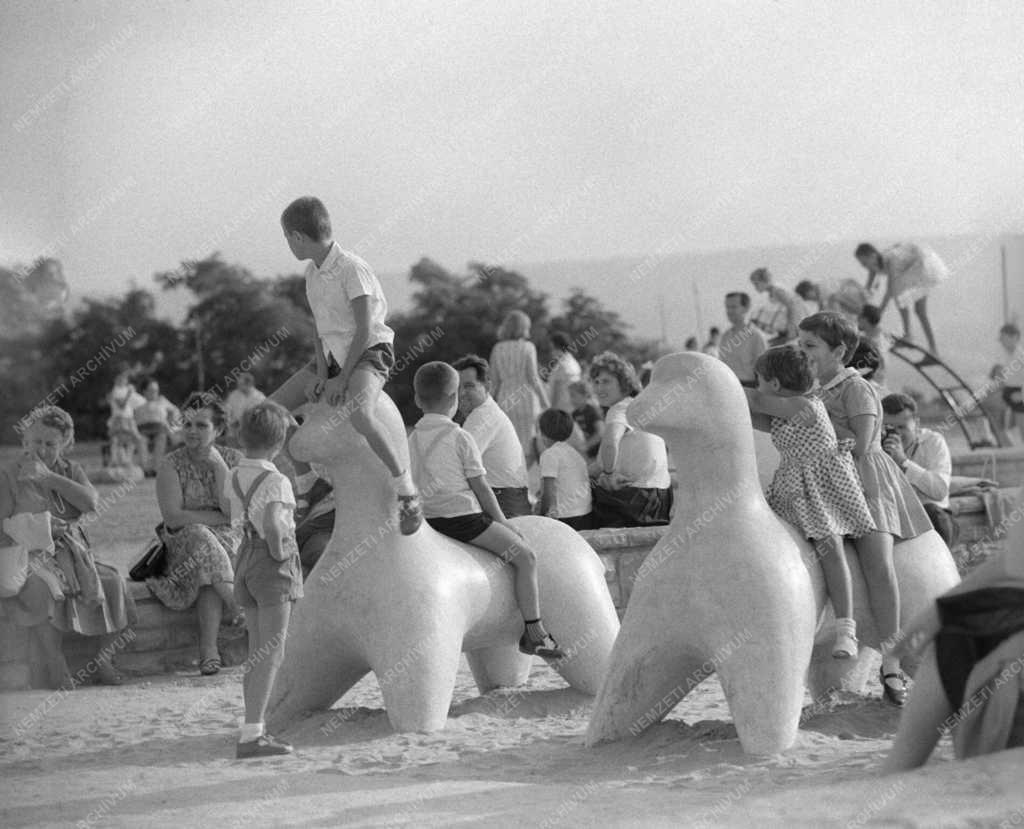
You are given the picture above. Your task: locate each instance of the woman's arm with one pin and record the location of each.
(77, 491)
(171, 503)
(276, 530)
(533, 378)
(495, 375)
(863, 426)
(608, 454)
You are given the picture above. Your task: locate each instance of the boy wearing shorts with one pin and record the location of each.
(457, 500)
(354, 347)
(268, 576)
(564, 480)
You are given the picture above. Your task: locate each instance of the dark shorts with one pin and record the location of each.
(462, 527)
(378, 359)
(513, 500)
(261, 580)
(579, 522)
(630, 506)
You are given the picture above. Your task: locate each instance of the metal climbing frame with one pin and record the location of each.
(963, 403)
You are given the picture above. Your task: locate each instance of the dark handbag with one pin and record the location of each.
(153, 561)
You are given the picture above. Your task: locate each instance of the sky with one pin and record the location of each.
(138, 135)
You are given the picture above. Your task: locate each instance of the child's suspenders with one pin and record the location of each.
(418, 459)
(246, 499)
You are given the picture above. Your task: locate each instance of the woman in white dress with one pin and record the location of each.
(911, 271)
(515, 383)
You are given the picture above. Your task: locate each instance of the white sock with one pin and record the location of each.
(404, 484)
(250, 731)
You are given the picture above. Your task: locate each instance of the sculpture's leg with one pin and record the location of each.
(312, 679)
(765, 690)
(499, 666)
(417, 679)
(827, 674)
(645, 681)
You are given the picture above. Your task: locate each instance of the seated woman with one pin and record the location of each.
(201, 543)
(630, 481)
(42, 497)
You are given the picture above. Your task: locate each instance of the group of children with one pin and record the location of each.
(834, 480)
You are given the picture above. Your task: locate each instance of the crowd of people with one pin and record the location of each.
(240, 535)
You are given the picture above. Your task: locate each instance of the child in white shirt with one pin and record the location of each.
(565, 482)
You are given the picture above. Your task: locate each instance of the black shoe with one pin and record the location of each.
(895, 693)
(546, 648)
(410, 514)
(265, 746)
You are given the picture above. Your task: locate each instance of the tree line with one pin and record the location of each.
(50, 353)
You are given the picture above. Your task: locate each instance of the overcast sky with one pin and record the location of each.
(136, 135)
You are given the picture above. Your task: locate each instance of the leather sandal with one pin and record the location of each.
(897, 695)
(209, 666)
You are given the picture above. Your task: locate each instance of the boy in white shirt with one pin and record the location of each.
(354, 346)
(268, 576)
(565, 482)
(457, 500)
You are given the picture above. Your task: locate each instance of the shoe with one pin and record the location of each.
(895, 694)
(410, 514)
(845, 646)
(265, 746)
(210, 666)
(546, 648)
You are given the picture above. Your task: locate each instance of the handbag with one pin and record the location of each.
(153, 561)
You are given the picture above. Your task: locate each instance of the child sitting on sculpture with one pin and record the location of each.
(268, 576)
(354, 348)
(855, 409)
(458, 502)
(815, 487)
(564, 479)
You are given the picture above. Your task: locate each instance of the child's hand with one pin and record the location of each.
(30, 468)
(334, 390)
(315, 387)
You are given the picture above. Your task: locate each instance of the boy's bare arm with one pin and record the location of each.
(276, 530)
(548, 500)
(484, 494)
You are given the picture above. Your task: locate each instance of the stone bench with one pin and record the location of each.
(165, 640)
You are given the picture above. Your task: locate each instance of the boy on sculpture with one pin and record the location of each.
(354, 346)
(458, 501)
(816, 487)
(268, 576)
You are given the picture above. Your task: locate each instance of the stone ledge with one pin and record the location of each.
(167, 639)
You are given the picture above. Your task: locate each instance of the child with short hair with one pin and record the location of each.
(354, 346)
(565, 482)
(815, 487)
(855, 409)
(268, 576)
(457, 500)
(587, 416)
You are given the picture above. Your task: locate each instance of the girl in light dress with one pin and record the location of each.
(855, 409)
(815, 487)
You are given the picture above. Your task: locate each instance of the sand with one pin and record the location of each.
(160, 752)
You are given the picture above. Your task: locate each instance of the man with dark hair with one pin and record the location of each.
(495, 436)
(924, 457)
(742, 343)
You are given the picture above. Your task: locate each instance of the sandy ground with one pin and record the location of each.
(160, 752)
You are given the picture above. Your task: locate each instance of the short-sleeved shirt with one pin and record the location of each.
(642, 458)
(160, 410)
(845, 397)
(330, 289)
(567, 370)
(929, 468)
(444, 457)
(739, 349)
(572, 483)
(275, 488)
(499, 446)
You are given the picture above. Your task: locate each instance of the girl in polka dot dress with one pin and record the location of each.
(816, 487)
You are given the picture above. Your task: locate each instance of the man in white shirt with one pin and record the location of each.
(495, 436)
(924, 457)
(742, 343)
